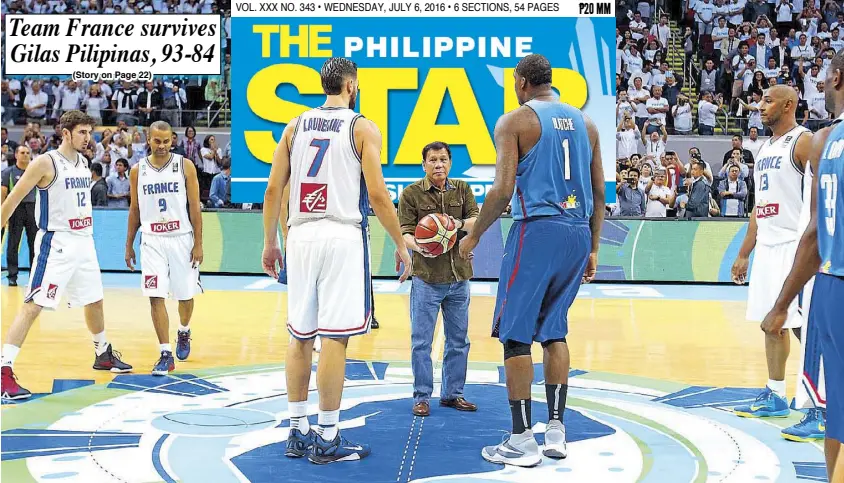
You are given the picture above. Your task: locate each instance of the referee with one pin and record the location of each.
(24, 215)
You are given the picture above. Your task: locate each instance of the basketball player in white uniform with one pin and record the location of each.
(331, 157)
(773, 232)
(163, 187)
(65, 258)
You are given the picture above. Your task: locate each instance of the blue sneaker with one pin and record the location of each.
(766, 405)
(299, 444)
(165, 364)
(811, 428)
(183, 345)
(339, 449)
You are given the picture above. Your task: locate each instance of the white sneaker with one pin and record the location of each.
(517, 450)
(555, 440)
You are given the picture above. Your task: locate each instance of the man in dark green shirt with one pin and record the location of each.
(438, 281)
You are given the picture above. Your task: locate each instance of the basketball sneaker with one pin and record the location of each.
(183, 345)
(165, 364)
(811, 428)
(299, 444)
(555, 440)
(517, 450)
(766, 405)
(110, 361)
(339, 449)
(11, 390)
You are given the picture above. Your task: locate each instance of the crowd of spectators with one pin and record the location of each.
(114, 151)
(727, 53)
(125, 109)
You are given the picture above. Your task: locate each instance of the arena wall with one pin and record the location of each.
(631, 249)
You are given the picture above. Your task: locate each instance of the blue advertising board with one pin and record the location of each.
(421, 80)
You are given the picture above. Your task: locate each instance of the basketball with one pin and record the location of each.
(436, 233)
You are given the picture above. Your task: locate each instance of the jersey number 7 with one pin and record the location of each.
(322, 148)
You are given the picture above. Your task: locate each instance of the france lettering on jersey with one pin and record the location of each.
(779, 189)
(163, 198)
(554, 178)
(65, 204)
(326, 178)
(830, 204)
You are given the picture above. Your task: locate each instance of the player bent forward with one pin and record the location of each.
(65, 257)
(165, 206)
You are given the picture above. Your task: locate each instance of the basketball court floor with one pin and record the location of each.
(655, 371)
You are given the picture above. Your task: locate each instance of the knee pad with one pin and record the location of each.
(552, 341)
(513, 348)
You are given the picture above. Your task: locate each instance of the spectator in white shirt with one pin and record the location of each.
(662, 31)
(654, 144)
(736, 12)
(660, 197)
(638, 28)
(785, 14)
(95, 102)
(124, 101)
(639, 96)
(682, 113)
(835, 41)
(817, 108)
(720, 33)
(624, 108)
(753, 143)
(36, 104)
(68, 98)
(706, 110)
(633, 60)
(626, 138)
(704, 13)
(657, 107)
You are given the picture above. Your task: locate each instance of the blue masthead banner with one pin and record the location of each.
(421, 80)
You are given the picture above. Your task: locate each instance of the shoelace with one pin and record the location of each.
(115, 355)
(183, 339)
(160, 360)
(764, 396)
(809, 416)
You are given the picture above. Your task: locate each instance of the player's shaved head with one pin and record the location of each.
(779, 105)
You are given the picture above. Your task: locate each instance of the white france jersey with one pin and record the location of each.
(779, 189)
(326, 178)
(65, 204)
(163, 197)
(806, 209)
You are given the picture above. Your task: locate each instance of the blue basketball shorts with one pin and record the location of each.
(825, 318)
(544, 260)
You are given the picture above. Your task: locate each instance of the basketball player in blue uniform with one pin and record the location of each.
(548, 161)
(821, 254)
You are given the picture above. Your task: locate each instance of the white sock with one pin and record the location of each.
(777, 386)
(100, 343)
(165, 347)
(184, 328)
(299, 416)
(328, 422)
(10, 352)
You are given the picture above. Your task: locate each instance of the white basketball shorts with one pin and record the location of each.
(771, 264)
(328, 280)
(166, 268)
(65, 263)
